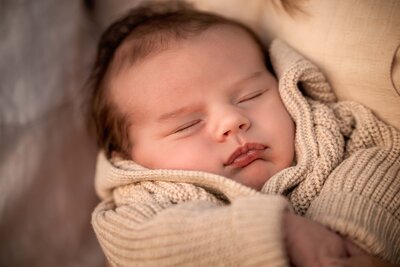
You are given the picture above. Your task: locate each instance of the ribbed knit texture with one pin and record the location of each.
(361, 198)
(346, 176)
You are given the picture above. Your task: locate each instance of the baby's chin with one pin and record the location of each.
(255, 175)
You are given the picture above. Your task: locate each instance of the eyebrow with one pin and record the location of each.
(192, 108)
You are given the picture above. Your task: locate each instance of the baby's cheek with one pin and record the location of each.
(186, 154)
(187, 159)
(195, 158)
(151, 155)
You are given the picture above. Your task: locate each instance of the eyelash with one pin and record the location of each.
(252, 97)
(186, 126)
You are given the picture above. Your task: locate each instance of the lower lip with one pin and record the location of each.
(247, 159)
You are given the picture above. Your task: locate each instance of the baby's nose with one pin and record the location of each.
(232, 124)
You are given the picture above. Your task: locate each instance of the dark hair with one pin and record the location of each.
(148, 29)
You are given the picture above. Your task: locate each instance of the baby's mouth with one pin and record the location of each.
(245, 155)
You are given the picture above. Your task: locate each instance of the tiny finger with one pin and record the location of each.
(353, 249)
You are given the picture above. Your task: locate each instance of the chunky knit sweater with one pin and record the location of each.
(346, 176)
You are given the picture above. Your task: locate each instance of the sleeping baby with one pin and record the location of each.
(213, 161)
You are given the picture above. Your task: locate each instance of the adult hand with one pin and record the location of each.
(311, 244)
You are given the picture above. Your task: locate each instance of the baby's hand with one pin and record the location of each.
(310, 244)
(357, 257)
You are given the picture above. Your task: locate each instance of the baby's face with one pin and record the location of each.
(209, 104)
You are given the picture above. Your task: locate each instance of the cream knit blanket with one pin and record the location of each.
(347, 176)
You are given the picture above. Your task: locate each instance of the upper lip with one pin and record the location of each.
(242, 150)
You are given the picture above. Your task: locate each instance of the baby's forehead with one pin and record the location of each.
(137, 48)
(160, 43)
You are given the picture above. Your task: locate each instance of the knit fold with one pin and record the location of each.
(368, 224)
(199, 233)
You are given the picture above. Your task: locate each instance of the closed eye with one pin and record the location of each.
(186, 126)
(252, 96)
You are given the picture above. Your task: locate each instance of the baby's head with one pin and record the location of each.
(183, 89)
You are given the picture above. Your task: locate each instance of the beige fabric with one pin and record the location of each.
(170, 217)
(355, 43)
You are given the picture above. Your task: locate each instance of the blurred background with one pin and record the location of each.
(47, 157)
